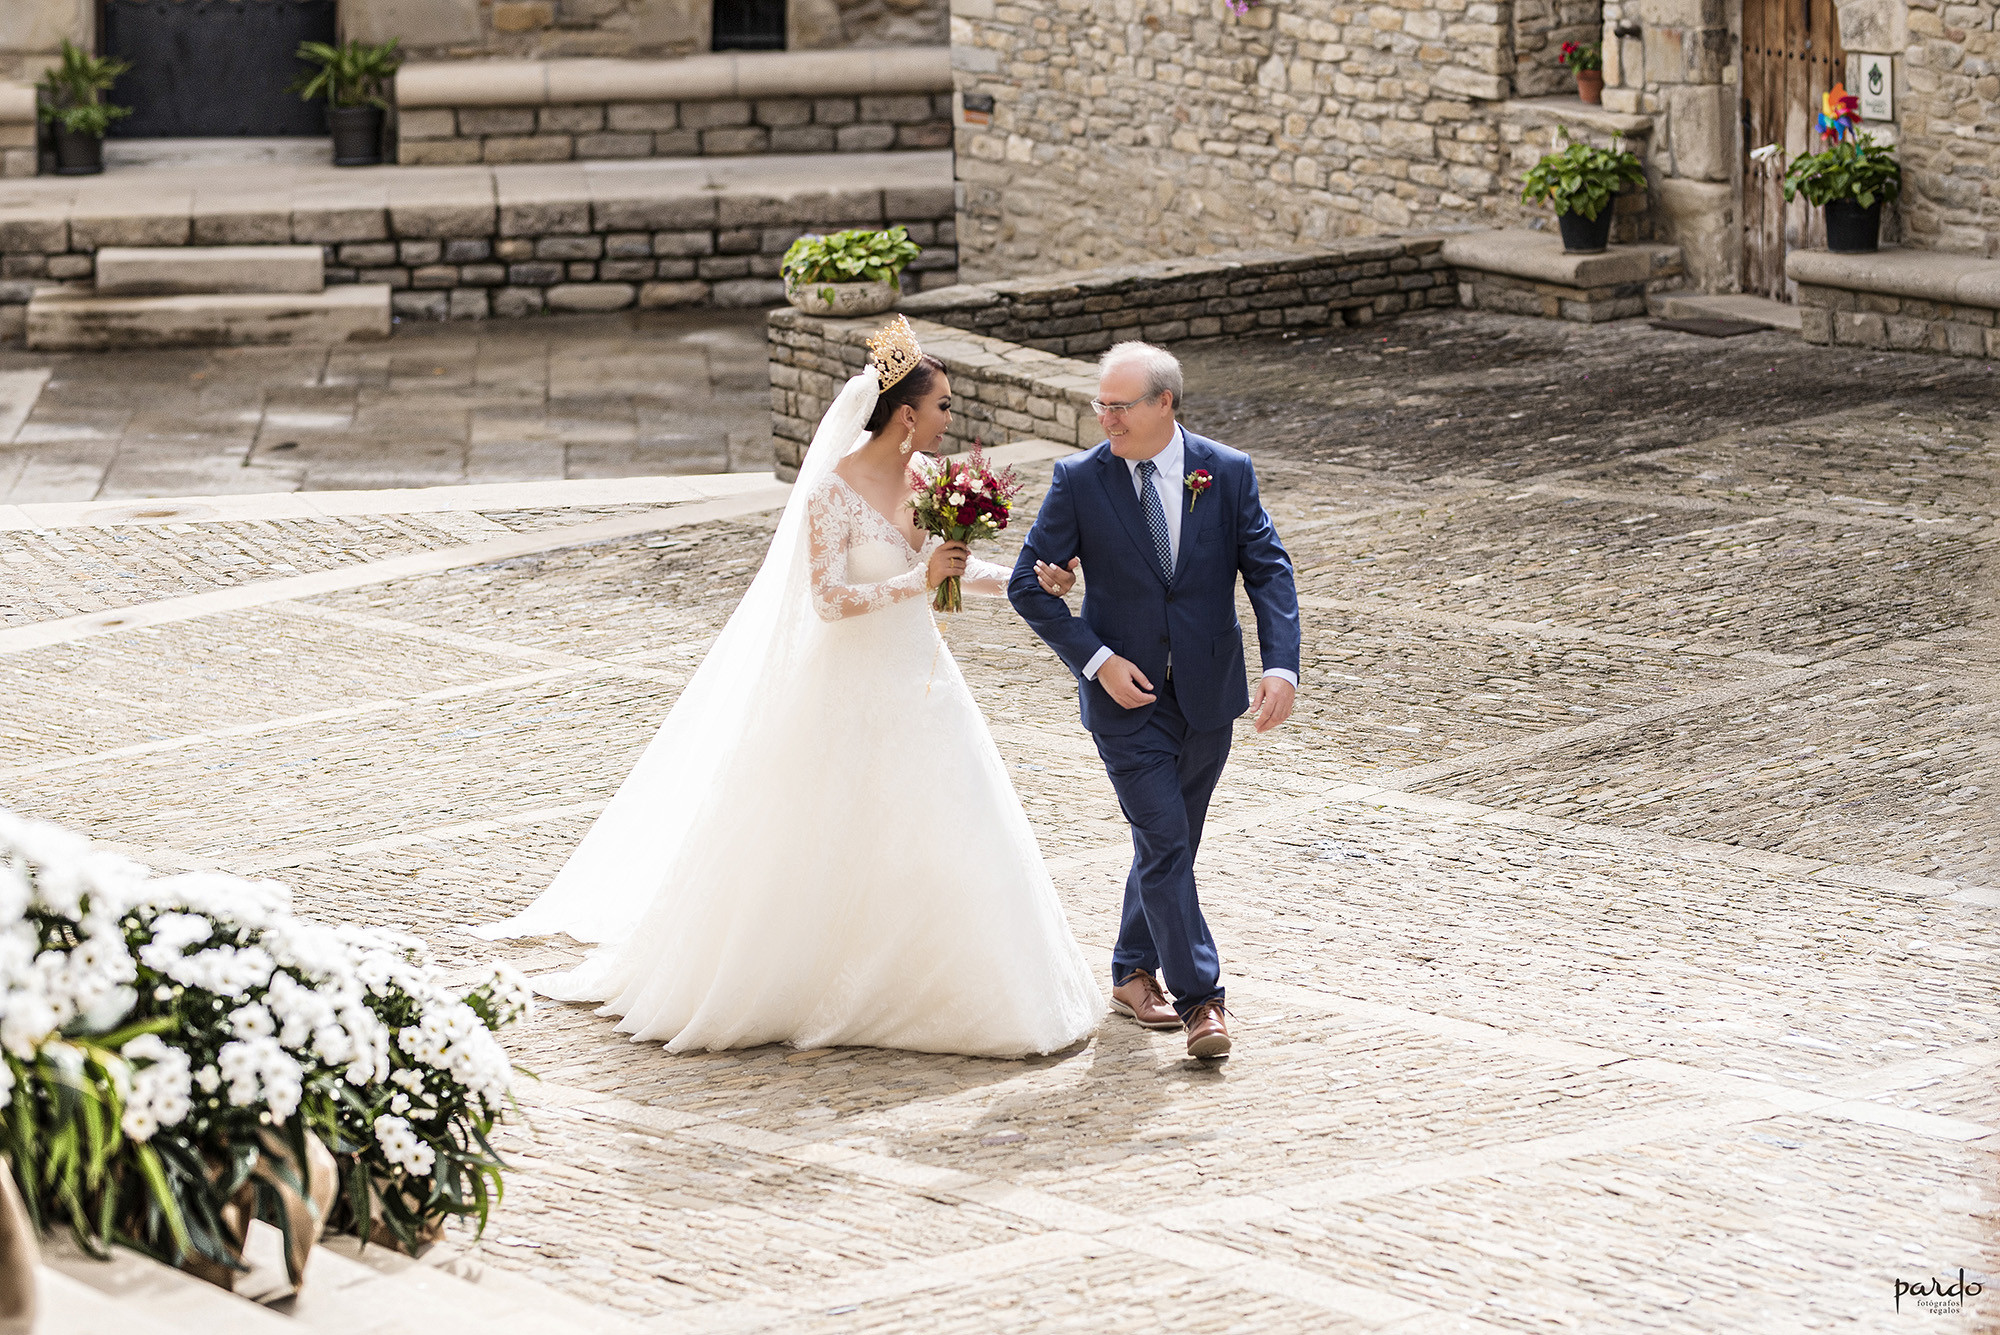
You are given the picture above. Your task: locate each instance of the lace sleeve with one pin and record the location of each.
(833, 598)
(986, 577)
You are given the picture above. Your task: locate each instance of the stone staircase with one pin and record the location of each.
(349, 1290)
(204, 296)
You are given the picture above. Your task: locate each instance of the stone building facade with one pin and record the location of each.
(32, 30)
(1132, 129)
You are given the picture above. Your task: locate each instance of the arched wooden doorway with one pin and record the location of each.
(1791, 56)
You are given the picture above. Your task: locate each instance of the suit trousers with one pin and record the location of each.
(1164, 775)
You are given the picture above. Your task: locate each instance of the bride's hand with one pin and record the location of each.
(1058, 580)
(948, 560)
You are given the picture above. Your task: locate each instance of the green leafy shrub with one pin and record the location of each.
(353, 74)
(1581, 179)
(1858, 169)
(858, 256)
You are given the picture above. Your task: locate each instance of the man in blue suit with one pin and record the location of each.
(1164, 522)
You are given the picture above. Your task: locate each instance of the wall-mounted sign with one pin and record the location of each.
(1876, 86)
(978, 108)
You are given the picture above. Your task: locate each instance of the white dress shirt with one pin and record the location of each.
(1169, 465)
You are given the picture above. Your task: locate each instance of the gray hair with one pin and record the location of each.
(1162, 368)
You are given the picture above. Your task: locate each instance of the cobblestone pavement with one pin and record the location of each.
(1611, 936)
(439, 404)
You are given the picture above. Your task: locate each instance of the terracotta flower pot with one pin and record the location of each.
(843, 299)
(1590, 86)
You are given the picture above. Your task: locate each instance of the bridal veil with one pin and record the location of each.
(752, 668)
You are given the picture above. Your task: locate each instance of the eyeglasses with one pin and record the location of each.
(1106, 409)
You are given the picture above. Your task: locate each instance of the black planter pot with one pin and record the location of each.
(357, 135)
(78, 152)
(1851, 229)
(1585, 236)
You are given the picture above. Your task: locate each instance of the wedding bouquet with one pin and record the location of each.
(179, 1054)
(960, 500)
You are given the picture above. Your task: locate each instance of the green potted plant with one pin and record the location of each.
(354, 79)
(847, 273)
(1848, 180)
(1586, 59)
(72, 102)
(1580, 182)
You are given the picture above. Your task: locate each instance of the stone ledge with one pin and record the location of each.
(1572, 111)
(723, 75)
(1918, 275)
(1539, 257)
(17, 103)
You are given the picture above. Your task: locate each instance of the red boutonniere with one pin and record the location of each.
(1197, 483)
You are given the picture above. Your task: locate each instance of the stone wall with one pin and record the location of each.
(31, 31)
(460, 29)
(1161, 128)
(1948, 86)
(1540, 29)
(1000, 391)
(848, 124)
(1011, 348)
(1349, 282)
(1884, 320)
(454, 261)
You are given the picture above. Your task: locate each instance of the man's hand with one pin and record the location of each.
(1122, 680)
(1058, 580)
(1272, 702)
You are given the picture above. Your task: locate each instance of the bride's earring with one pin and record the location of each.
(909, 441)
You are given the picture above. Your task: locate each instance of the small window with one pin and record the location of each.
(749, 25)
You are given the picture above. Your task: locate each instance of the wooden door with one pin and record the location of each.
(1791, 56)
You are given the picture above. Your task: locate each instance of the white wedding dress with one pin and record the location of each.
(821, 846)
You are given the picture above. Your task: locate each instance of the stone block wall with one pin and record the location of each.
(1540, 29)
(1948, 116)
(1174, 128)
(1013, 349)
(1352, 282)
(1000, 391)
(845, 124)
(456, 262)
(1880, 320)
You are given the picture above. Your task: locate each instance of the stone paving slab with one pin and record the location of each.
(1661, 1055)
(641, 394)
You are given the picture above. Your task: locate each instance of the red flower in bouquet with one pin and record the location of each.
(1198, 482)
(960, 500)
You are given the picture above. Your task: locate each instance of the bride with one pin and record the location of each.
(821, 845)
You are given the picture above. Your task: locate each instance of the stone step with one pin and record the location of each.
(349, 1290)
(1728, 306)
(70, 319)
(163, 271)
(67, 1306)
(173, 1298)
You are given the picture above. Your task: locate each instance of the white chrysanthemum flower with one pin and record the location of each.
(252, 1021)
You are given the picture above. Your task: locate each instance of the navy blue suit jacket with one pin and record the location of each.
(1092, 511)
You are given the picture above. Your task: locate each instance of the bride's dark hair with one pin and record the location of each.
(907, 390)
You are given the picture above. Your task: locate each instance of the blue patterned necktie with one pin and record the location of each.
(1156, 518)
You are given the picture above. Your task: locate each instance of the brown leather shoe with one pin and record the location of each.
(1207, 1035)
(1141, 998)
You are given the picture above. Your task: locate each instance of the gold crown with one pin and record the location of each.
(894, 351)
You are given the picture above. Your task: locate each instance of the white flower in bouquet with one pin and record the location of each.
(161, 1089)
(253, 1021)
(401, 1147)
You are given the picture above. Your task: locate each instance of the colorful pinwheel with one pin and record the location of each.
(1839, 114)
